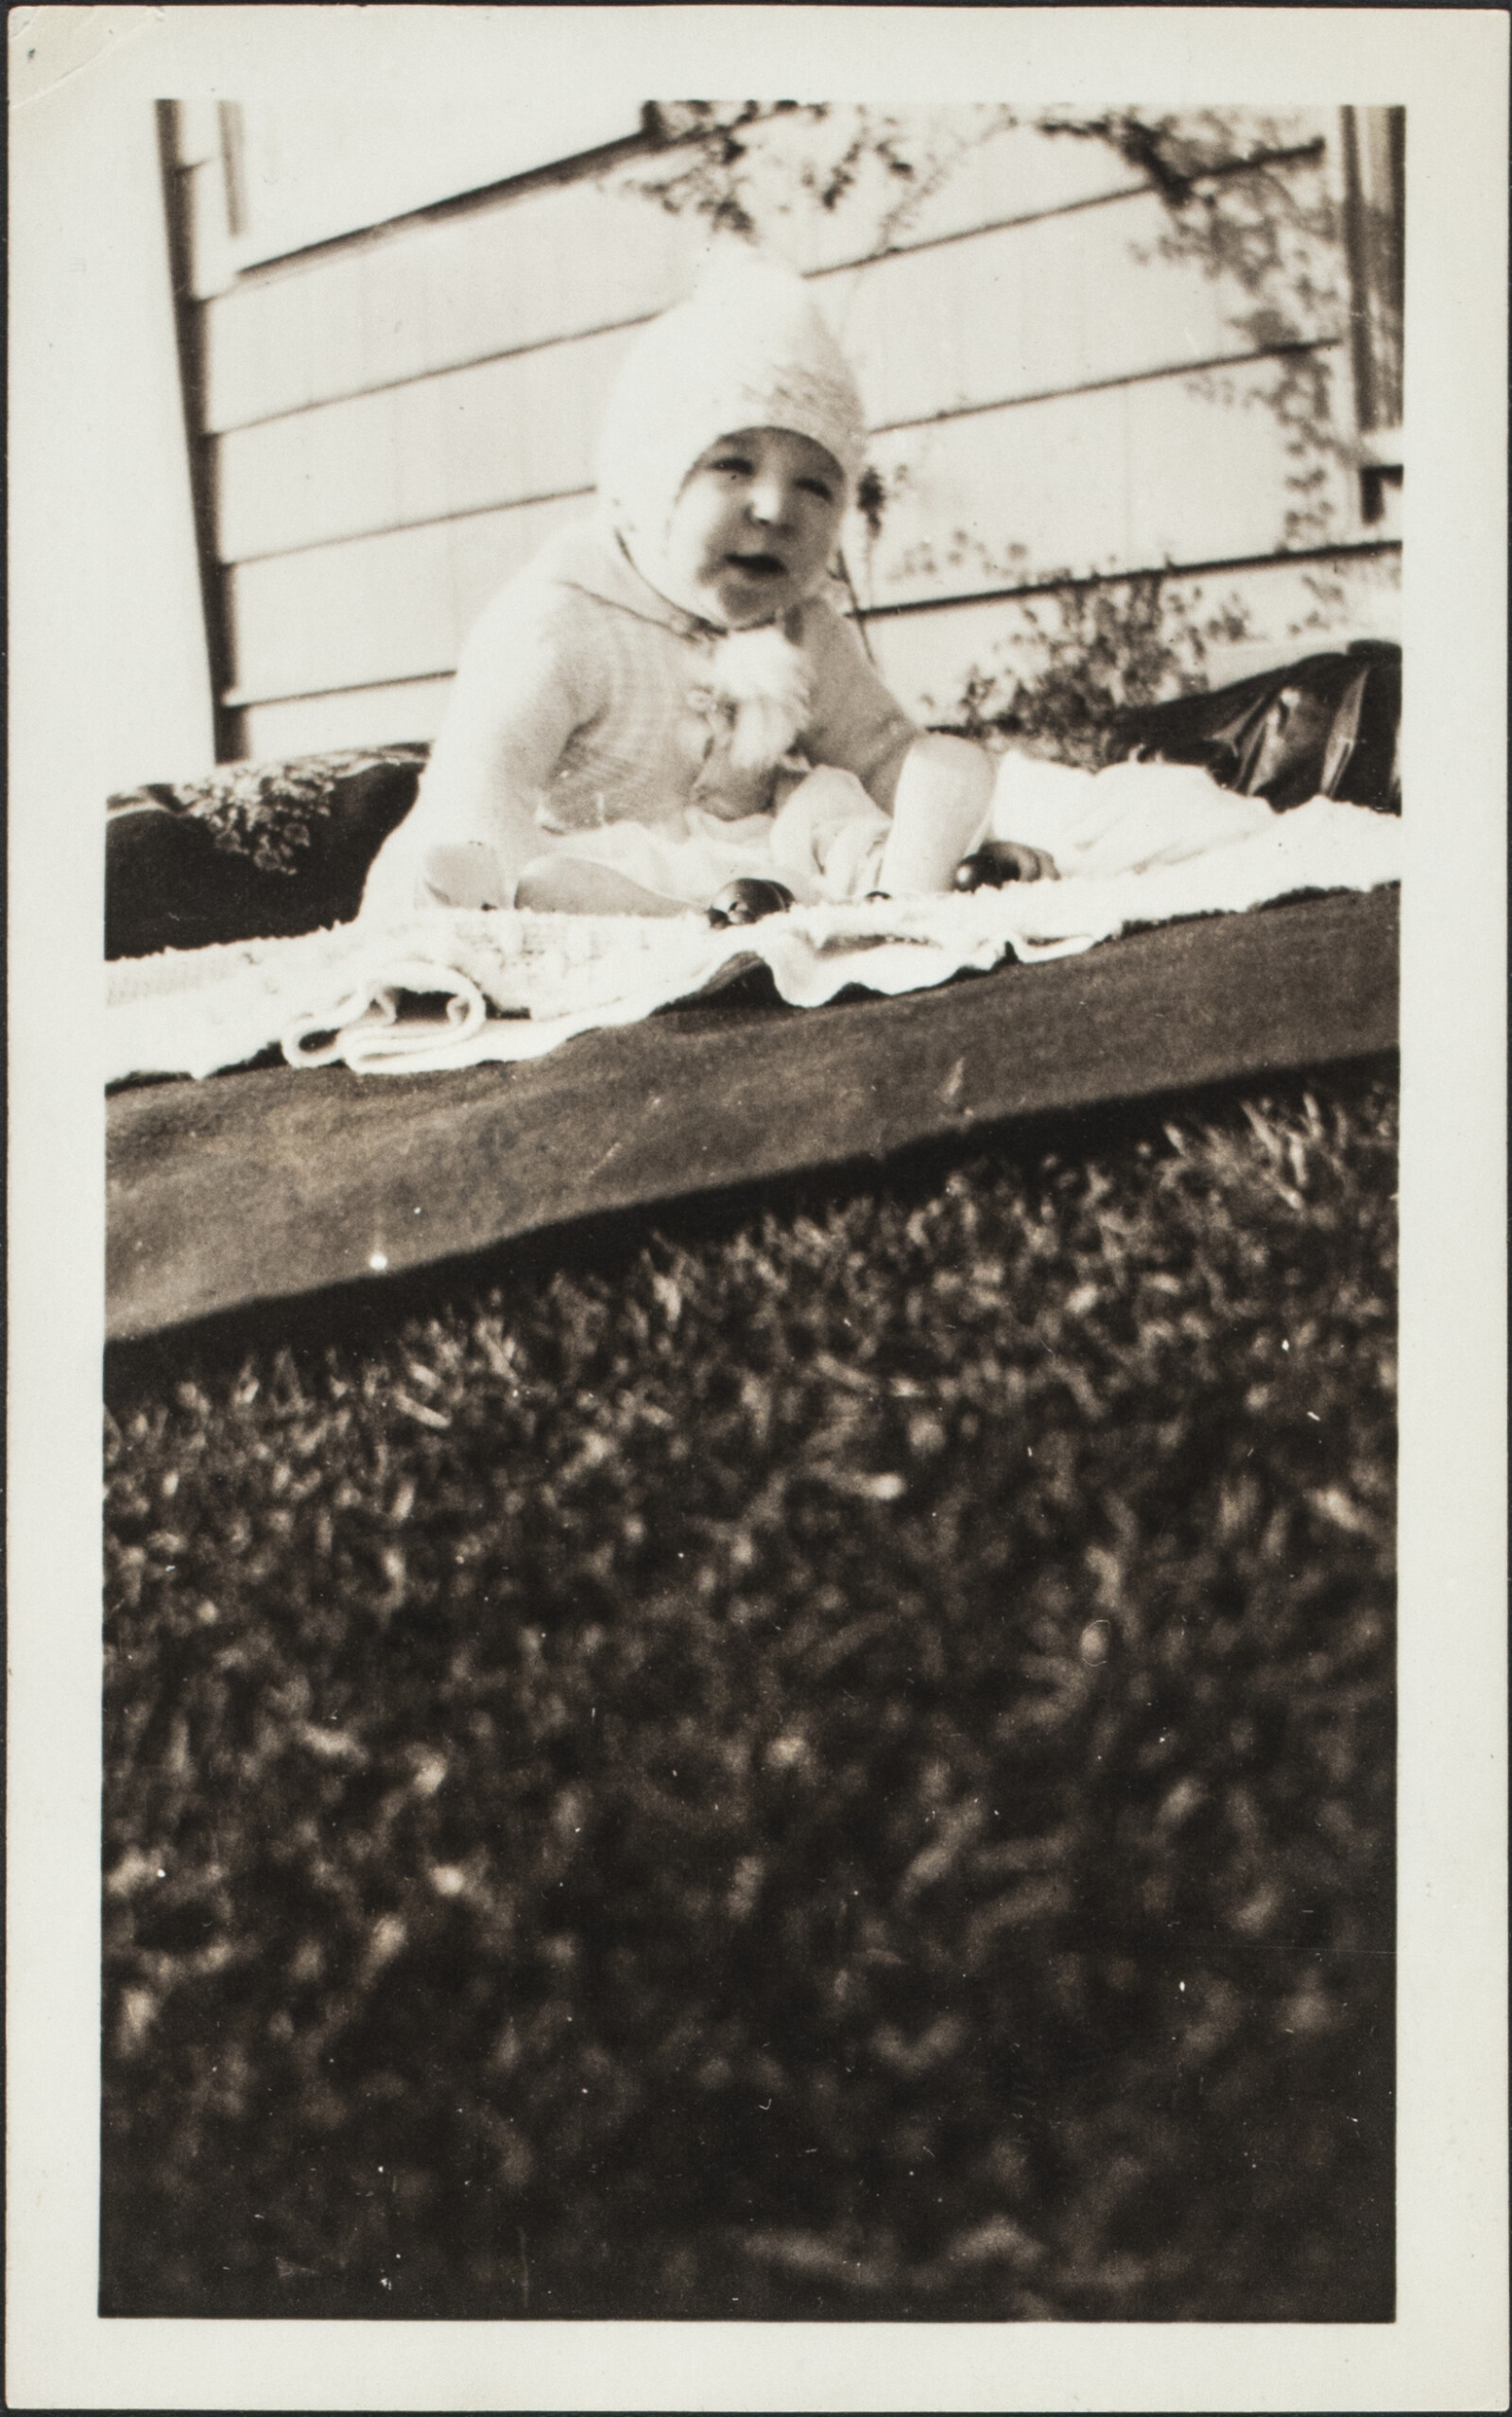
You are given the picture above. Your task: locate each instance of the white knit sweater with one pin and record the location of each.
(584, 698)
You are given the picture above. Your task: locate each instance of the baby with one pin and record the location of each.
(666, 702)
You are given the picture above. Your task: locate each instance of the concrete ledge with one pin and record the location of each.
(268, 1184)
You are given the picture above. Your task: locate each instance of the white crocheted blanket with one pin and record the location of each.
(452, 988)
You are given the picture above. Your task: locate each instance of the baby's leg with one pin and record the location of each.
(563, 885)
(939, 813)
(407, 876)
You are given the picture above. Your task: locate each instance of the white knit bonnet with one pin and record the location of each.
(747, 350)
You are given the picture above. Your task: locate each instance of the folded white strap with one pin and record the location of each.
(364, 1025)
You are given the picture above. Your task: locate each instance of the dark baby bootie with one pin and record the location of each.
(749, 901)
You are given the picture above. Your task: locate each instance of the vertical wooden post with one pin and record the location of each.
(1374, 146)
(187, 318)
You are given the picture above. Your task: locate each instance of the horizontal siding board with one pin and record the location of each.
(507, 432)
(1288, 610)
(409, 709)
(534, 267)
(1291, 609)
(384, 608)
(320, 166)
(490, 548)
(1018, 173)
(549, 265)
(545, 265)
(525, 426)
(1066, 302)
(1128, 478)
(335, 328)
(398, 607)
(1171, 469)
(337, 618)
(257, 343)
(1015, 176)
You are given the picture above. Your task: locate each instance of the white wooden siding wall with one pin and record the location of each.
(400, 420)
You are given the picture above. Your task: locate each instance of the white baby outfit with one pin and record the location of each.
(647, 738)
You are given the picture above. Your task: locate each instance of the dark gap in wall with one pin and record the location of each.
(200, 446)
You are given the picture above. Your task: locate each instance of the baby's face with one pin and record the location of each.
(755, 525)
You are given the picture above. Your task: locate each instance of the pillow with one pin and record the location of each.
(1326, 726)
(250, 851)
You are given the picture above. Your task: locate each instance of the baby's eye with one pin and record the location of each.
(819, 487)
(735, 463)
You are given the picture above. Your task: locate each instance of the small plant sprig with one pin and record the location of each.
(1084, 655)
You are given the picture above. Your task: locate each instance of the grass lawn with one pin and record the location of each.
(828, 1754)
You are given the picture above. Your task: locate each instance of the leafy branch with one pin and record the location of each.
(738, 164)
(1082, 655)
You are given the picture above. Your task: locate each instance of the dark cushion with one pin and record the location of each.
(1327, 725)
(252, 851)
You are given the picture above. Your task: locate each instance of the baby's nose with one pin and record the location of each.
(769, 499)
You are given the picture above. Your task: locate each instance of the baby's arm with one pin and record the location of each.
(939, 811)
(473, 830)
(936, 787)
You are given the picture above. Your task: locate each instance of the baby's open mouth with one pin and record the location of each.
(760, 566)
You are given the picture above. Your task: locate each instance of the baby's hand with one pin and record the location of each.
(1000, 861)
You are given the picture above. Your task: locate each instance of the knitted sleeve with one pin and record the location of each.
(524, 685)
(854, 721)
(525, 682)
